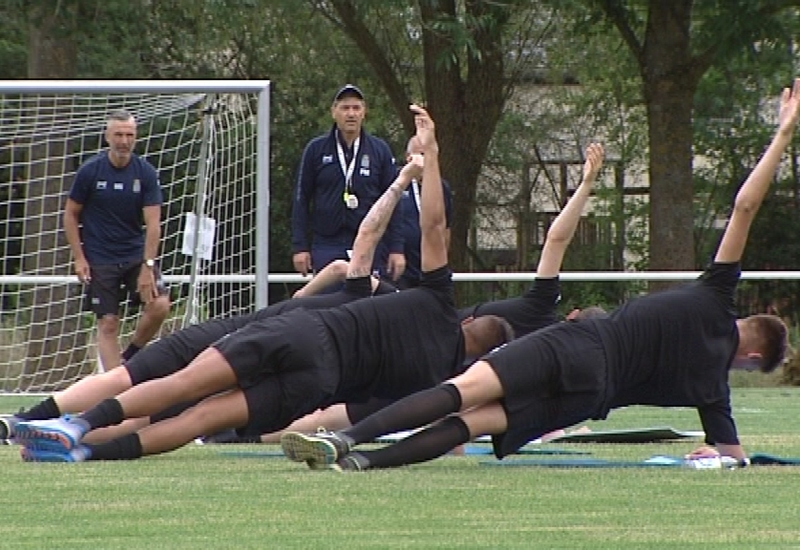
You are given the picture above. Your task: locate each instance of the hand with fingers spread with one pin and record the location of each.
(425, 127)
(594, 161)
(790, 108)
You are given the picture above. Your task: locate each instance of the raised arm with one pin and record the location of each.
(752, 191)
(432, 222)
(563, 227)
(374, 223)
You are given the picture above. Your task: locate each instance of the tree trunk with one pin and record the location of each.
(669, 87)
(466, 110)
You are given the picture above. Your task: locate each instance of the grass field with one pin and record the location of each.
(201, 497)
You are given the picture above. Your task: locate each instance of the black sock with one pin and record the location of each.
(130, 351)
(106, 413)
(127, 447)
(424, 445)
(419, 409)
(43, 410)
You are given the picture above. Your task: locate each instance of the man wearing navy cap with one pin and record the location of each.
(342, 173)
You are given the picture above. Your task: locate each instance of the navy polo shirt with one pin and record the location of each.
(412, 233)
(113, 199)
(319, 189)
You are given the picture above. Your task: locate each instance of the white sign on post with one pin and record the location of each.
(208, 227)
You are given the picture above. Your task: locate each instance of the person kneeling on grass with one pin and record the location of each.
(671, 349)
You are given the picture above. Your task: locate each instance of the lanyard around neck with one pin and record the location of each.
(348, 169)
(415, 190)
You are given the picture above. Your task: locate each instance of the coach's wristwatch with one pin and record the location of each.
(150, 262)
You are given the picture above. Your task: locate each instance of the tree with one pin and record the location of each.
(675, 43)
(461, 49)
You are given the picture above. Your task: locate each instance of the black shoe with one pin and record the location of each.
(7, 424)
(352, 462)
(320, 449)
(230, 436)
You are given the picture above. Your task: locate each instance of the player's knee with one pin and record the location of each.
(108, 325)
(159, 307)
(120, 378)
(478, 385)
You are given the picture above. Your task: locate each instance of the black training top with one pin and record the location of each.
(182, 346)
(674, 348)
(392, 345)
(354, 289)
(527, 313)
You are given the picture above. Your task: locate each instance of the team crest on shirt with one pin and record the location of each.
(137, 186)
(364, 170)
(101, 184)
(327, 159)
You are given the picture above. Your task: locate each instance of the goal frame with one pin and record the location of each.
(259, 87)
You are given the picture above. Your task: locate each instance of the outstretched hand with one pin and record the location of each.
(414, 165)
(790, 108)
(594, 161)
(425, 127)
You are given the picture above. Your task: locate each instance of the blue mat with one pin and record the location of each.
(658, 461)
(469, 450)
(636, 435)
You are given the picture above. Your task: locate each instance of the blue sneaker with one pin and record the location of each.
(78, 454)
(58, 434)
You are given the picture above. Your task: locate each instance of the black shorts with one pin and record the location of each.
(356, 412)
(110, 284)
(177, 350)
(286, 366)
(551, 379)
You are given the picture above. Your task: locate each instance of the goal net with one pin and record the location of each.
(209, 143)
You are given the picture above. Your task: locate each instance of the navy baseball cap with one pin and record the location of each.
(348, 90)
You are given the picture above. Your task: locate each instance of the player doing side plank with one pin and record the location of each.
(671, 349)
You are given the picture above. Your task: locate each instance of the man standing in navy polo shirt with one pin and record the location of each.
(113, 194)
(342, 174)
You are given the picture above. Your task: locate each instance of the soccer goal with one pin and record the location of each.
(209, 141)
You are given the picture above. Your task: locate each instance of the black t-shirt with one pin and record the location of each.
(392, 345)
(674, 348)
(354, 289)
(528, 313)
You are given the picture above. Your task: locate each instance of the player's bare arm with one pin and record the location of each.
(432, 221)
(563, 227)
(72, 216)
(377, 219)
(753, 190)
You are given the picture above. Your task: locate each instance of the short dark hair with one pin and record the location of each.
(120, 115)
(773, 338)
(489, 332)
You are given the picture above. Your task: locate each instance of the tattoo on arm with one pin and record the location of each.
(378, 216)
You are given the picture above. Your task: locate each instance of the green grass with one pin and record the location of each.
(199, 497)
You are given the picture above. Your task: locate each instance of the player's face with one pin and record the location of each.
(349, 113)
(121, 138)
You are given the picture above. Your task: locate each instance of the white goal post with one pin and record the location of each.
(209, 141)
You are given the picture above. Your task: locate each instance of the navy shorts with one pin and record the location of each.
(286, 366)
(112, 283)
